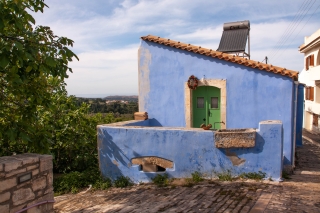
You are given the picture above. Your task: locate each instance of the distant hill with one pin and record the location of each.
(121, 97)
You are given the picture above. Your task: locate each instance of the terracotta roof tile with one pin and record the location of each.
(222, 56)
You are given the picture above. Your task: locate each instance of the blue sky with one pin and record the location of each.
(107, 33)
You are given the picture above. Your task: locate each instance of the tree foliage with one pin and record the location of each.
(36, 114)
(66, 130)
(29, 56)
(98, 105)
(72, 131)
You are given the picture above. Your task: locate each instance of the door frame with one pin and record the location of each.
(219, 83)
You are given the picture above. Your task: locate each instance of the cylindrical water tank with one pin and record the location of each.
(236, 25)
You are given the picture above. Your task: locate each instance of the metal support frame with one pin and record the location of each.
(248, 44)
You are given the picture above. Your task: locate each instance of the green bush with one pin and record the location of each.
(31, 56)
(74, 181)
(161, 180)
(225, 176)
(66, 130)
(102, 184)
(253, 175)
(196, 177)
(122, 182)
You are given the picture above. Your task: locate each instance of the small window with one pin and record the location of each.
(315, 120)
(214, 103)
(309, 61)
(309, 93)
(200, 102)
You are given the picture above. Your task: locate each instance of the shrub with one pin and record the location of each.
(225, 176)
(122, 182)
(161, 180)
(196, 177)
(103, 184)
(253, 175)
(74, 181)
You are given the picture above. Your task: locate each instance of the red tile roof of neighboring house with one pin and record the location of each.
(222, 56)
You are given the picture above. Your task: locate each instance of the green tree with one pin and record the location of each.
(66, 128)
(72, 130)
(29, 56)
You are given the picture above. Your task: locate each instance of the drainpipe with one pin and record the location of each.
(37, 204)
(295, 123)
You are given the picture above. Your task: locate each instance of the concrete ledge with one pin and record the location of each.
(235, 138)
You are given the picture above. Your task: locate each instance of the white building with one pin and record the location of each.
(310, 76)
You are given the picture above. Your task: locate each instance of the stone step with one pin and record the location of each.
(300, 172)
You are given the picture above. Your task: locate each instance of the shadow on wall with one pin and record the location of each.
(111, 151)
(233, 154)
(286, 161)
(154, 122)
(258, 148)
(149, 123)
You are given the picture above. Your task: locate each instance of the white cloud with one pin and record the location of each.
(106, 33)
(105, 72)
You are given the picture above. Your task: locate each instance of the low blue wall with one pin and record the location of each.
(190, 149)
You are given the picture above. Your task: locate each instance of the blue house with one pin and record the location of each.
(182, 87)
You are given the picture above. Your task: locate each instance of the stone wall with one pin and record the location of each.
(25, 181)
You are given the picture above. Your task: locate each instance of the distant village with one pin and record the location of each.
(113, 101)
(111, 104)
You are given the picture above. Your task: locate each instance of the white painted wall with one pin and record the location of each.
(312, 106)
(311, 77)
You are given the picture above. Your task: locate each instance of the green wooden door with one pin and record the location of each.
(206, 106)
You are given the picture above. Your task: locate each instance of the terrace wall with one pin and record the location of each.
(26, 181)
(190, 150)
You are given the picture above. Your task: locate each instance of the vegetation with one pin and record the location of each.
(33, 66)
(117, 107)
(68, 131)
(253, 175)
(196, 177)
(74, 181)
(161, 180)
(130, 98)
(36, 114)
(225, 176)
(122, 182)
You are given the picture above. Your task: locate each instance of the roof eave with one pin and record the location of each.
(222, 56)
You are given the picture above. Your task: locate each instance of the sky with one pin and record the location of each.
(106, 34)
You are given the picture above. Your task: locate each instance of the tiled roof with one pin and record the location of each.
(222, 56)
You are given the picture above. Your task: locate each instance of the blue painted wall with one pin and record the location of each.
(252, 95)
(190, 150)
(300, 112)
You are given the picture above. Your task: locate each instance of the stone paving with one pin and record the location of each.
(301, 193)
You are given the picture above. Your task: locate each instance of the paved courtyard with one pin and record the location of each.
(301, 193)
